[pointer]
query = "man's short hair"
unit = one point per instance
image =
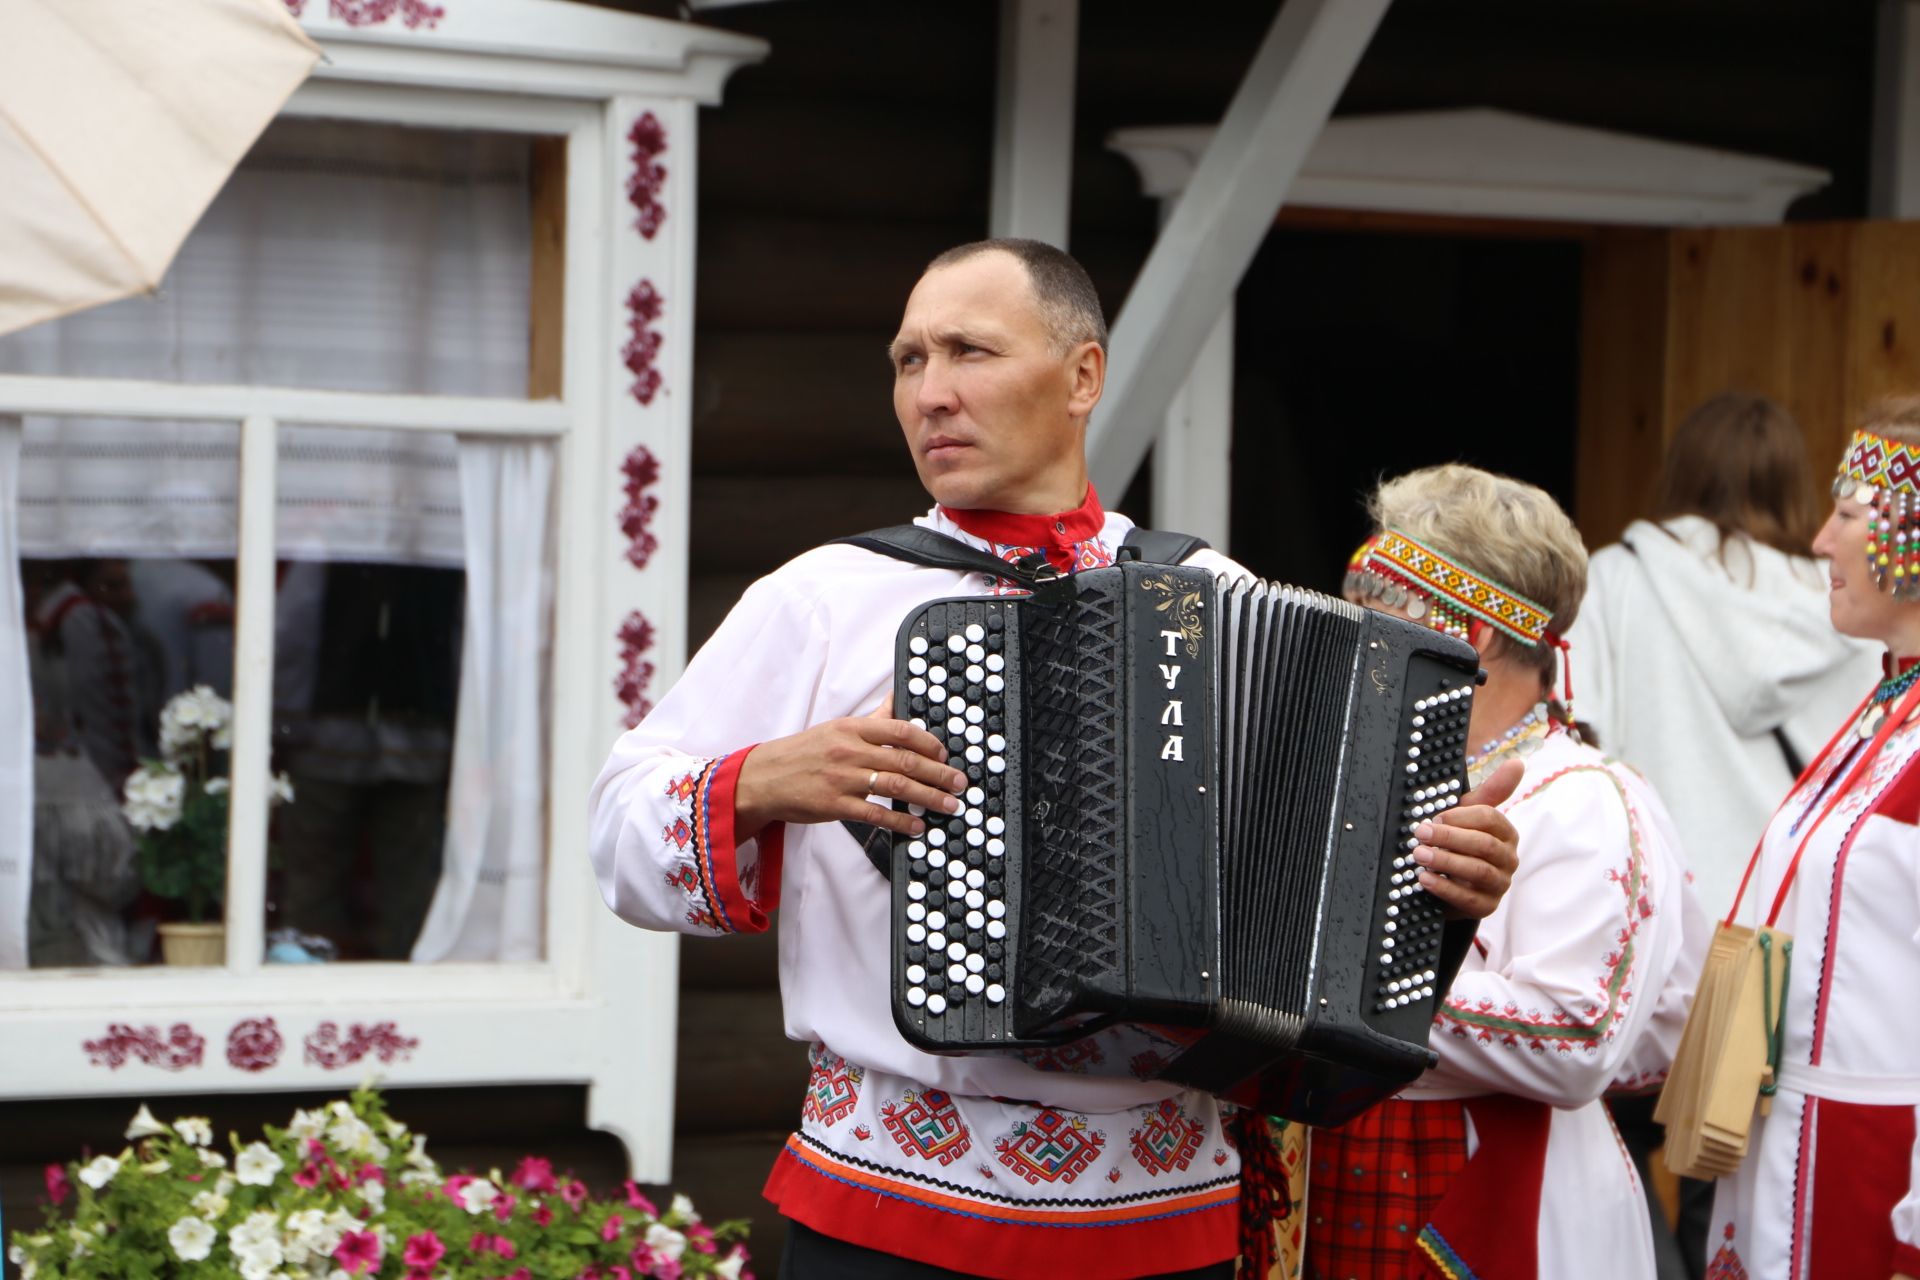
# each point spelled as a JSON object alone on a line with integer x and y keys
{"x": 1069, "y": 306}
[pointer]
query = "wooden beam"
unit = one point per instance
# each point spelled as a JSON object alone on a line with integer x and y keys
{"x": 1189, "y": 278}
{"x": 1465, "y": 226}
{"x": 547, "y": 298}
{"x": 1033, "y": 119}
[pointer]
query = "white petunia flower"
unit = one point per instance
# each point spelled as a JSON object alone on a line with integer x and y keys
{"x": 192, "y": 1239}
{"x": 307, "y": 1124}
{"x": 256, "y": 1244}
{"x": 282, "y": 788}
{"x": 99, "y": 1172}
{"x": 143, "y": 1125}
{"x": 256, "y": 1165}
{"x": 218, "y": 786}
{"x": 728, "y": 1268}
{"x": 666, "y": 1242}
{"x": 375, "y": 1194}
{"x": 209, "y": 1205}
{"x": 350, "y": 1134}
{"x": 194, "y": 1130}
{"x": 682, "y": 1208}
{"x": 477, "y": 1195}
{"x": 212, "y": 1159}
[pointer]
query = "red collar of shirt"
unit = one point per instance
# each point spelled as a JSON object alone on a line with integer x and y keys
{"x": 1057, "y": 534}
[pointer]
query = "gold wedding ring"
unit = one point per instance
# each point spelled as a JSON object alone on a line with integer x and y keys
{"x": 873, "y": 782}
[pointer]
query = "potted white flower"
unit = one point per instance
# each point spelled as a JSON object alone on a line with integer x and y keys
{"x": 178, "y": 804}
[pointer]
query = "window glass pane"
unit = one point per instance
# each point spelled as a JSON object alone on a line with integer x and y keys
{"x": 127, "y": 533}
{"x": 417, "y": 828}
{"x": 342, "y": 255}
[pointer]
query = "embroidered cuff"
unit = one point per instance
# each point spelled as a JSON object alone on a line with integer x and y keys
{"x": 741, "y": 904}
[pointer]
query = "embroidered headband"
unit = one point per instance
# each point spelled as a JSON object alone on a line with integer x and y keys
{"x": 1884, "y": 475}
{"x": 1446, "y": 595}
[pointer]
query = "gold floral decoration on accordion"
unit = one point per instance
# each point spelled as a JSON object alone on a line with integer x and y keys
{"x": 1182, "y": 605}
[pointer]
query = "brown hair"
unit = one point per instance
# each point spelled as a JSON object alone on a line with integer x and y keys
{"x": 1740, "y": 461}
{"x": 1068, "y": 303}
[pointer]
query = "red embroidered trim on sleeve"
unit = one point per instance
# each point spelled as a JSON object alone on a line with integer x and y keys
{"x": 741, "y": 908}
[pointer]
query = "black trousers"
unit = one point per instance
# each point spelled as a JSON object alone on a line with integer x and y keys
{"x": 812, "y": 1256}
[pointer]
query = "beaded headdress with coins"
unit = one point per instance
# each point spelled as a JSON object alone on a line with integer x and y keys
{"x": 1447, "y": 596}
{"x": 1884, "y": 476}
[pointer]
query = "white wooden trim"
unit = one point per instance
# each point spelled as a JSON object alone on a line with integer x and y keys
{"x": 1484, "y": 163}
{"x": 1195, "y": 265}
{"x": 102, "y": 994}
{"x": 438, "y": 108}
{"x": 1033, "y": 120}
{"x": 1192, "y": 459}
{"x": 1894, "y": 185}
{"x": 131, "y": 398}
{"x": 252, "y": 698}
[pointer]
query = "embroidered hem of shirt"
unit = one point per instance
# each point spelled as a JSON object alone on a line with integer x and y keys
{"x": 942, "y": 1225}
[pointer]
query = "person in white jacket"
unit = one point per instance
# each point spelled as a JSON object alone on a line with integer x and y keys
{"x": 1703, "y": 653}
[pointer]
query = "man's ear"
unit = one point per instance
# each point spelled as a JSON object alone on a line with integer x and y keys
{"x": 1087, "y": 373}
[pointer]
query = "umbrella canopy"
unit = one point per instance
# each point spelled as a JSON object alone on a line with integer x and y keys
{"x": 119, "y": 122}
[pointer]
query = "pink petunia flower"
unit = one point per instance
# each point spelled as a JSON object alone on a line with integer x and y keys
{"x": 610, "y": 1230}
{"x": 308, "y": 1176}
{"x": 667, "y": 1269}
{"x": 59, "y": 1186}
{"x": 642, "y": 1259}
{"x": 456, "y": 1184}
{"x": 503, "y": 1206}
{"x": 534, "y": 1173}
{"x": 521, "y": 1274}
{"x": 638, "y": 1201}
{"x": 574, "y": 1193}
{"x": 618, "y": 1271}
{"x": 423, "y": 1251}
{"x": 358, "y": 1251}
{"x": 700, "y": 1236}
{"x": 542, "y": 1216}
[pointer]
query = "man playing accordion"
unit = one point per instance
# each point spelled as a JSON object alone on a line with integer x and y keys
{"x": 729, "y": 800}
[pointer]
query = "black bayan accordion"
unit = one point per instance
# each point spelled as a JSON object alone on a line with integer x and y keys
{"x": 1188, "y": 832}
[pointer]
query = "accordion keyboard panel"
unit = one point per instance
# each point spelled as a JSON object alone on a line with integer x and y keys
{"x": 953, "y": 966}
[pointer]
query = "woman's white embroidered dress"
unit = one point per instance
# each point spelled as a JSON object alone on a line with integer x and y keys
{"x": 1831, "y": 1185}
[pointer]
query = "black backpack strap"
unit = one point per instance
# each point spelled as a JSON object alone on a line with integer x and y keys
{"x": 916, "y": 545}
{"x": 1162, "y": 546}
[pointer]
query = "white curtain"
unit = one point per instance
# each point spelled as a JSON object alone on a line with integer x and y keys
{"x": 16, "y": 718}
{"x": 490, "y": 904}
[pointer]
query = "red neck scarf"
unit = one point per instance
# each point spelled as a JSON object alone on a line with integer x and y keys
{"x": 1057, "y": 535}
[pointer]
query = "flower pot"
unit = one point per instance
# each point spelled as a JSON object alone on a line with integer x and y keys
{"x": 193, "y": 944}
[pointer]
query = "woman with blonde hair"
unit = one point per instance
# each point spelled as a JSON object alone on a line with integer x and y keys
{"x": 1501, "y": 1160}
{"x": 1831, "y": 1182}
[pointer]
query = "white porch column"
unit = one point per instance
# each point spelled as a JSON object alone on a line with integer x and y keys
{"x": 1894, "y": 185}
{"x": 1033, "y": 120}
{"x": 1189, "y": 277}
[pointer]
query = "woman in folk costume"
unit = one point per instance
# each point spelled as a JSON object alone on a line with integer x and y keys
{"x": 1501, "y": 1161}
{"x": 1830, "y": 1186}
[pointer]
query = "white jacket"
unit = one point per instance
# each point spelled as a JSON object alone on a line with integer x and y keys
{"x": 1686, "y": 660}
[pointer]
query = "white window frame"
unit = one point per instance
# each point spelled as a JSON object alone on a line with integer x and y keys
{"x": 600, "y": 1008}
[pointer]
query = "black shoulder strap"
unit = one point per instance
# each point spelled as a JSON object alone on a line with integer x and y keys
{"x": 1162, "y": 546}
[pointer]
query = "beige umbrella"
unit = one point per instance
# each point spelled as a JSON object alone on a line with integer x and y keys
{"x": 119, "y": 122}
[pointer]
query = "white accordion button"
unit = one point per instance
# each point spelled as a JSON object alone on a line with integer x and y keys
{"x": 976, "y": 795}
{"x": 936, "y": 920}
{"x": 975, "y": 962}
{"x": 994, "y": 683}
{"x": 975, "y": 754}
{"x": 995, "y": 847}
{"x": 996, "y": 929}
{"x": 975, "y": 632}
{"x": 957, "y": 868}
{"x": 956, "y": 724}
{"x": 974, "y": 714}
{"x": 996, "y": 825}
{"x": 916, "y": 890}
{"x": 956, "y": 973}
{"x": 936, "y": 942}
{"x": 937, "y": 675}
{"x": 956, "y": 888}
{"x": 976, "y": 878}
{"x": 915, "y": 996}
{"x": 917, "y": 666}
{"x": 974, "y": 654}
{"x": 995, "y": 662}
{"x": 996, "y": 908}
{"x": 916, "y": 911}
{"x": 975, "y": 817}
{"x": 955, "y": 643}
{"x": 975, "y": 837}
{"x": 936, "y": 837}
{"x": 956, "y": 952}
{"x": 916, "y": 933}
{"x": 995, "y": 993}
{"x": 918, "y": 723}
{"x": 975, "y": 984}
{"x": 936, "y": 1004}
{"x": 974, "y": 674}
{"x": 974, "y": 733}
{"x": 918, "y": 644}
{"x": 975, "y": 919}
{"x": 916, "y": 974}
{"x": 996, "y": 742}
{"x": 917, "y": 850}
{"x": 995, "y": 764}
{"x": 916, "y": 686}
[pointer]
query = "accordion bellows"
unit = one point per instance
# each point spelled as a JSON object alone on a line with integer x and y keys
{"x": 1188, "y": 829}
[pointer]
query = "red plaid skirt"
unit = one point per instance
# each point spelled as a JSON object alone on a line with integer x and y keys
{"x": 1374, "y": 1182}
